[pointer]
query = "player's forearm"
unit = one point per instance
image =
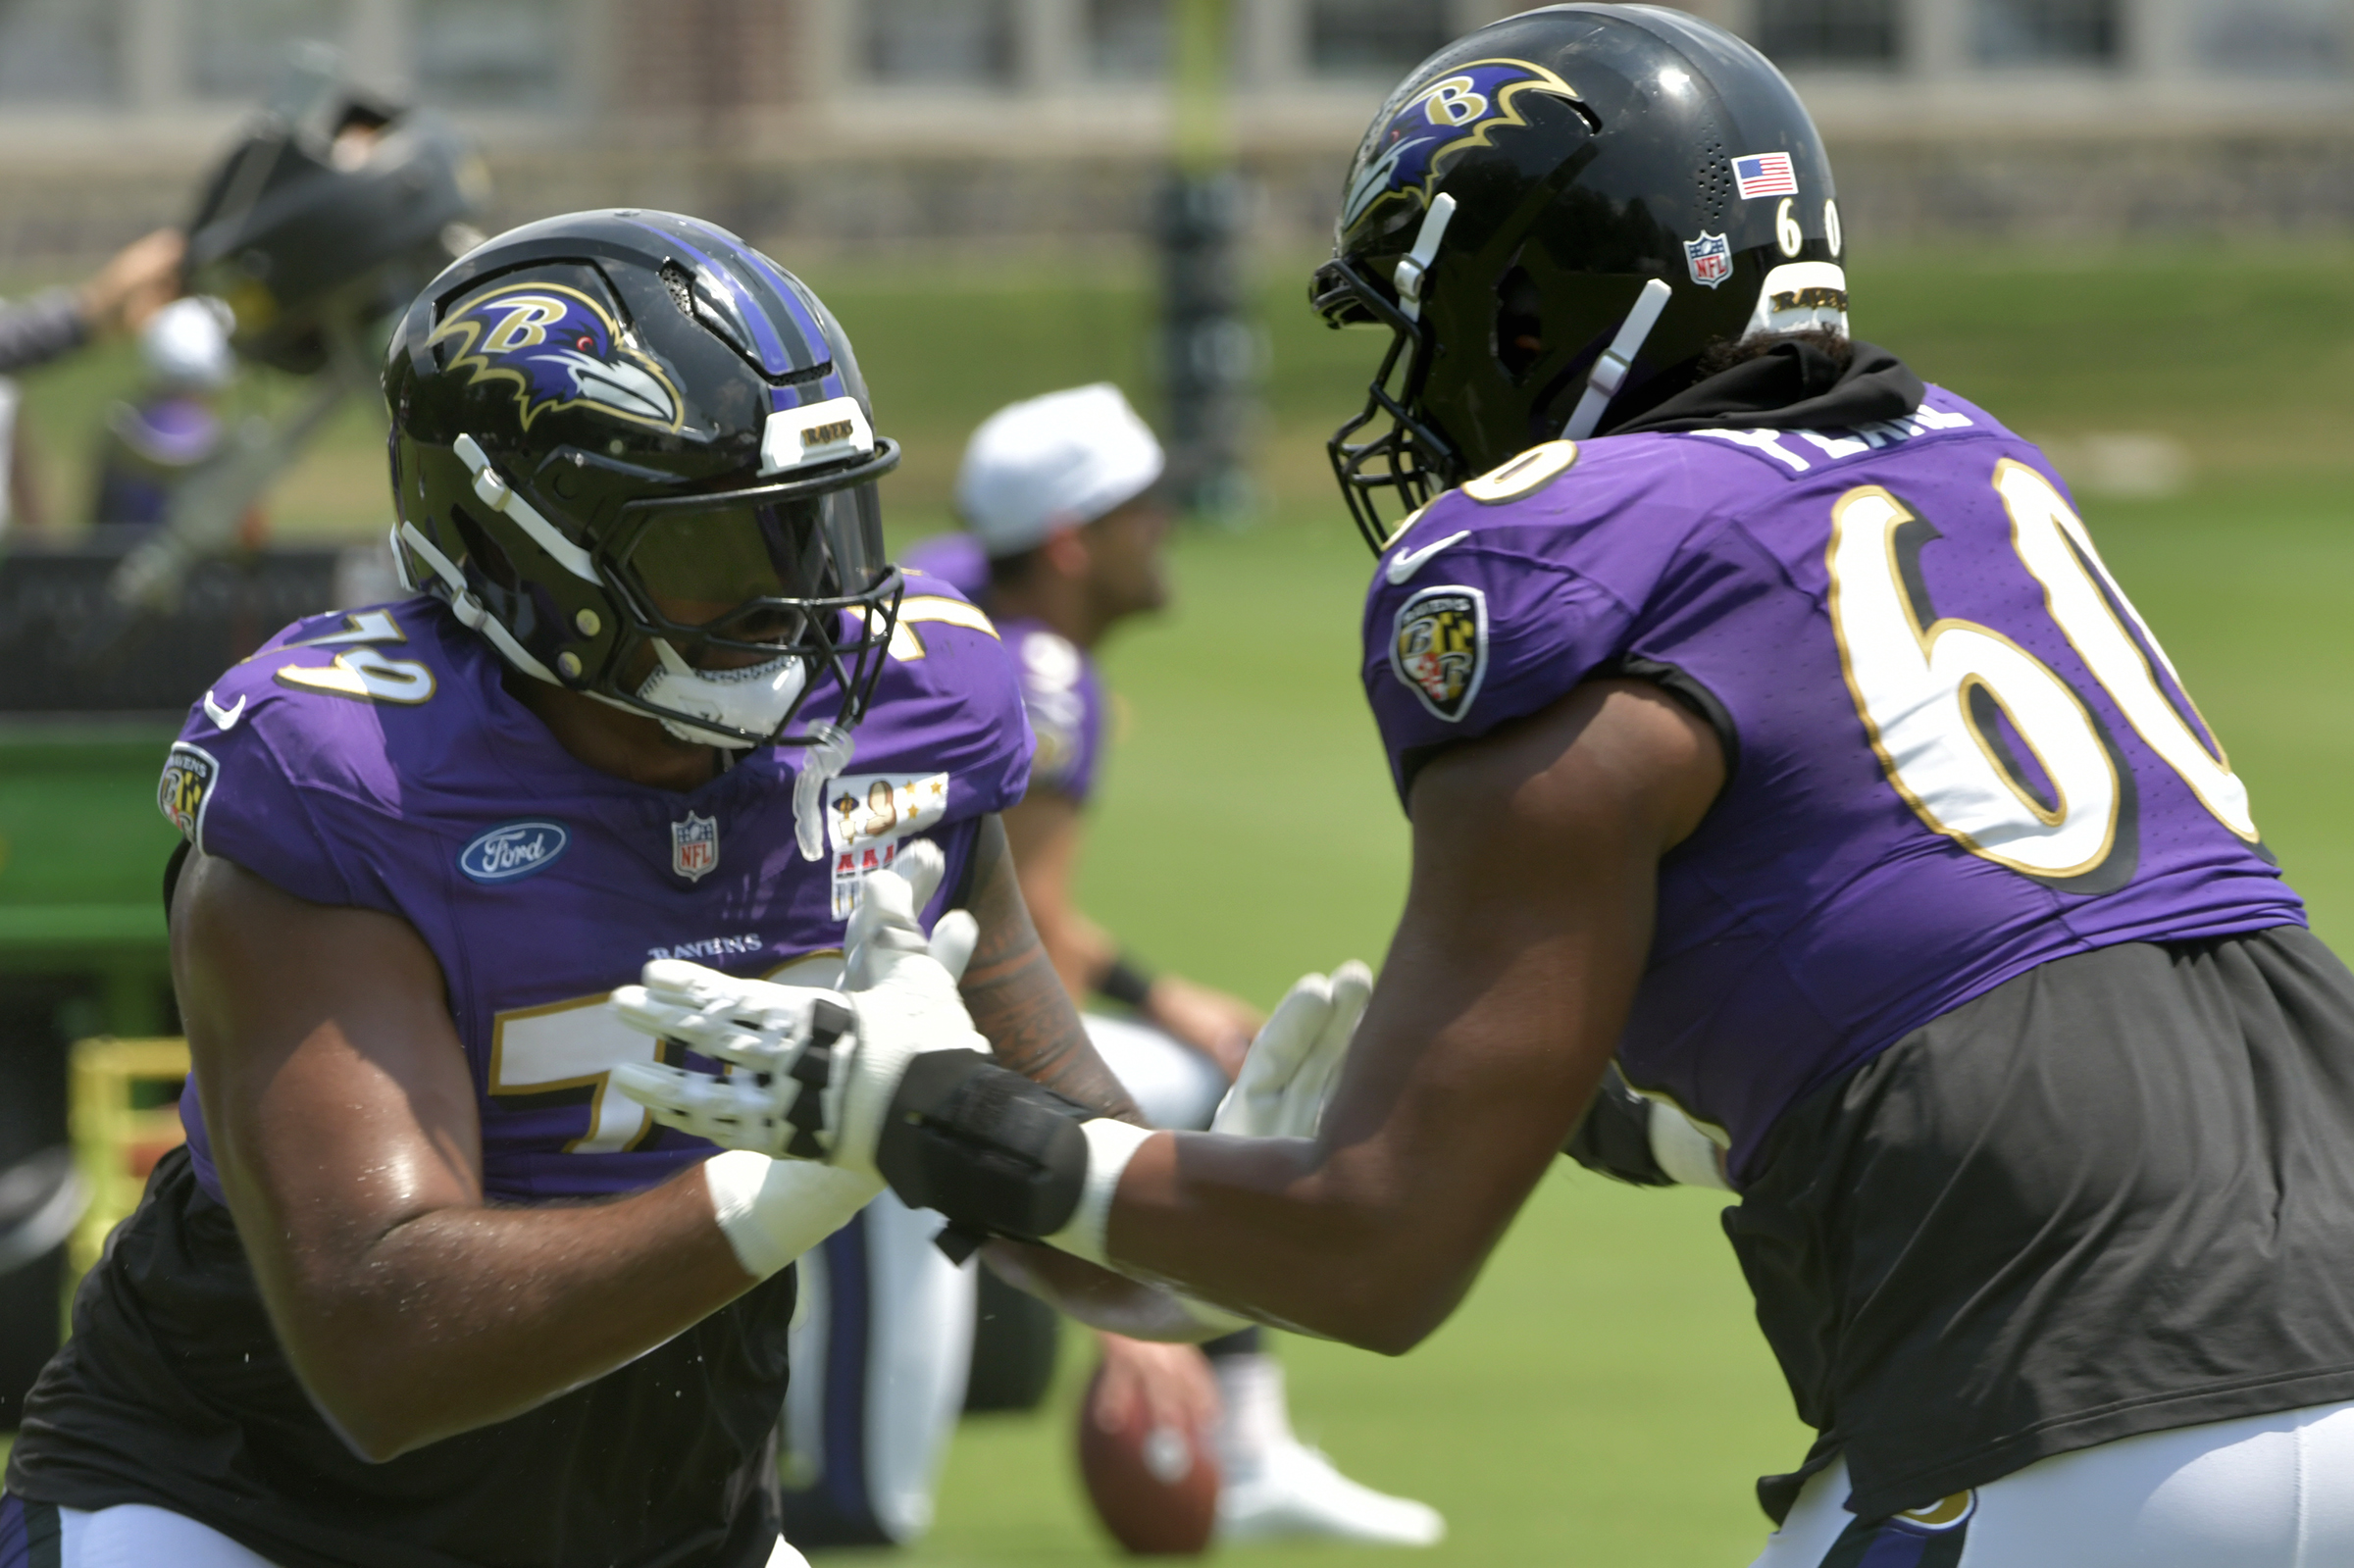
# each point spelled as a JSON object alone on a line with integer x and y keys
{"x": 1341, "y": 1243}
{"x": 1016, "y": 1000}
{"x": 463, "y": 1316}
{"x": 1526, "y": 927}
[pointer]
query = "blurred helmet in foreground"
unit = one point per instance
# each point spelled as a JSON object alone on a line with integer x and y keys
{"x": 327, "y": 218}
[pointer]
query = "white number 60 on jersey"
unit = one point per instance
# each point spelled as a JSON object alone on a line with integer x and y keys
{"x": 1928, "y": 694}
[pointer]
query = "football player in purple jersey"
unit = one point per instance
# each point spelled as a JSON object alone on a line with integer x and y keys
{"x": 421, "y": 1290}
{"x": 1769, "y": 724}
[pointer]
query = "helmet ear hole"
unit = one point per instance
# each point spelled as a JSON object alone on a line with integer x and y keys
{"x": 482, "y": 551}
{"x": 1519, "y": 323}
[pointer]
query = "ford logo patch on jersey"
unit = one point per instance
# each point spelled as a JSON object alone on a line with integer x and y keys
{"x": 518, "y": 849}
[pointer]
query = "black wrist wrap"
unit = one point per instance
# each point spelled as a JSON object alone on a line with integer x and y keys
{"x": 997, "y": 1153}
{"x": 1127, "y": 983}
{"x": 1614, "y": 1137}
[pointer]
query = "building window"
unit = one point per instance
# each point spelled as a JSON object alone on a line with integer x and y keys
{"x": 57, "y": 50}
{"x": 1128, "y": 40}
{"x": 2048, "y": 33}
{"x": 496, "y": 53}
{"x": 969, "y": 43}
{"x": 2279, "y": 39}
{"x": 236, "y": 47}
{"x": 1382, "y": 39}
{"x": 1828, "y": 32}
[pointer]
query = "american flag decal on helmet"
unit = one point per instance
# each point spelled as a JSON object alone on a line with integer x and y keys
{"x": 1765, "y": 173}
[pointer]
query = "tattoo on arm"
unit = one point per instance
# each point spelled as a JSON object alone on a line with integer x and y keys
{"x": 1015, "y": 998}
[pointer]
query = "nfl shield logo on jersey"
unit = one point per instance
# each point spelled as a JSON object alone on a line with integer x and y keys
{"x": 1440, "y": 648}
{"x": 694, "y": 846}
{"x": 1711, "y": 258}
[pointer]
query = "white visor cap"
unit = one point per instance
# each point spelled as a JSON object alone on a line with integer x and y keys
{"x": 1054, "y": 462}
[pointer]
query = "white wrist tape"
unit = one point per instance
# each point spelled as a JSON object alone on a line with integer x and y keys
{"x": 1110, "y": 1145}
{"x": 772, "y": 1211}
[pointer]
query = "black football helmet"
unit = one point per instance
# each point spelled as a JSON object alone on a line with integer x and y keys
{"x": 1554, "y": 217}
{"x": 637, "y": 455}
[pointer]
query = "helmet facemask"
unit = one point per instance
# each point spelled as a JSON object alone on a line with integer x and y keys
{"x": 821, "y": 602}
{"x": 1409, "y": 458}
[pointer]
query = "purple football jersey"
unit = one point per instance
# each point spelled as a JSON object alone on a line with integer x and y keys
{"x": 374, "y": 760}
{"x": 1061, "y": 689}
{"x": 955, "y": 558}
{"x": 1954, "y": 749}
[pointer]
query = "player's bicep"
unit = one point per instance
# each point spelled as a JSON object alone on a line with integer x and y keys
{"x": 1046, "y": 831}
{"x": 1526, "y": 931}
{"x": 335, "y": 1091}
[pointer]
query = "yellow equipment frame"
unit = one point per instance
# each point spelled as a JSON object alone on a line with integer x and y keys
{"x": 116, "y": 1140}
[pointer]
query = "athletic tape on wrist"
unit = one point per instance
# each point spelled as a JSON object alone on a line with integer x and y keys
{"x": 772, "y": 1211}
{"x": 1110, "y": 1145}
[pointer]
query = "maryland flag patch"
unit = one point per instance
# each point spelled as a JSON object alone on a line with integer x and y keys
{"x": 1440, "y": 648}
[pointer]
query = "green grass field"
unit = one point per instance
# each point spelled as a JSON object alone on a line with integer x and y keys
{"x": 1603, "y": 1398}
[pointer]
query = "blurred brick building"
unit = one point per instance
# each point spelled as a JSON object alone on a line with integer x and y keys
{"x": 978, "y": 121}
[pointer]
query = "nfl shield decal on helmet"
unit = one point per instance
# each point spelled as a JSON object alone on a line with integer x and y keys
{"x": 694, "y": 846}
{"x": 1711, "y": 258}
{"x": 1440, "y": 648}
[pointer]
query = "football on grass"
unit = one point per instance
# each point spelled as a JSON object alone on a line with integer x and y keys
{"x": 1156, "y": 1488}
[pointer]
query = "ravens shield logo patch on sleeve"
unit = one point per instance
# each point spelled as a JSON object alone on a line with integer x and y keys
{"x": 186, "y": 789}
{"x": 1440, "y": 648}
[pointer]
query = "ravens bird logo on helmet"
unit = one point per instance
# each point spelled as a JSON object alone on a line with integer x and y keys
{"x": 560, "y": 350}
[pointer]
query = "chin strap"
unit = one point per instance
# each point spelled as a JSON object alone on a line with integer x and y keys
{"x": 471, "y": 611}
{"x": 822, "y": 762}
{"x": 492, "y": 489}
{"x": 1610, "y": 371}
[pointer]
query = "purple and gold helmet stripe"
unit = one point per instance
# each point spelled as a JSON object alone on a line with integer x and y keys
{"x": 761, "y": 310}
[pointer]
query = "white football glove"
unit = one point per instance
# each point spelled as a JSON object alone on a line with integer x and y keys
{"x": 1289, "y": 1074}
{"x": 812, "y": 1070}
{"x": 1683, "y": 1150}
{"x": 1295, "y": 1060}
